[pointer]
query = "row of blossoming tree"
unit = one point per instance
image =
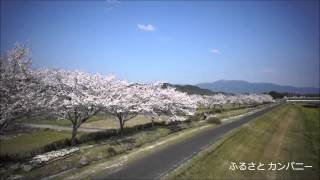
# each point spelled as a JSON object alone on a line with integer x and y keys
{"x": 77, "y": 95}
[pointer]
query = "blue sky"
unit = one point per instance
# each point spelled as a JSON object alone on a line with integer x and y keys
{"x": 184, "y": 42}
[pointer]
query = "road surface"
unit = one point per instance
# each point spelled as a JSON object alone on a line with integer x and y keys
{"x": 158, "y": 164}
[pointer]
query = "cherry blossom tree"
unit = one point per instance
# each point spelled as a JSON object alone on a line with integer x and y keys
{"x": 126, "y": 100}
{"x": 122, "y": 101}
{"x": 214, "y": 101}
{"x": 181, "y": 105}
{"x": 166, "y": 99}
{"x": 20, "y": 89}
{"x": 249, "y": 99}
{"x": 259, "y": 98}
{"x": 73, "y": 95}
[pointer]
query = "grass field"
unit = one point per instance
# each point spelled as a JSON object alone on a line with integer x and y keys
{"x": 101, "y": 121}
{"x": 289, "y": 133}
{"x": 26, "y": 142}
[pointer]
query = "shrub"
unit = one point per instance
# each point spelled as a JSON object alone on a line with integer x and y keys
{"x": 213, "y": 111}
{"x": 214, "y": 120}
{"x": 56, "y": 145}
{"x": 96, "y": 136}
{"x": 201, "y": 116}
{"x": 193, "y": 118}
{"x": 112, "y": 151}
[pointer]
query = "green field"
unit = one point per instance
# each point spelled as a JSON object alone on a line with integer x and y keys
{"x": 101, "y": 121}
{"x": 26, "y": 142}
{"x": 289, "y": 133}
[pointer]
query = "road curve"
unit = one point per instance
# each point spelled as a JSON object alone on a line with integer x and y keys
{"x": 157, "y": 164}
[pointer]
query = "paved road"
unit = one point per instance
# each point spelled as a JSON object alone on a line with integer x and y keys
{"x": 157, "y": 164}
{"x": 63, "y": 128}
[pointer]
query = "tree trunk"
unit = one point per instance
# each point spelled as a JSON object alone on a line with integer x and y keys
{"x": 74, "y": 134}
{"x": 152, "y": 121}
{"x": 2, "y": 126}
{"x": 121, "y": 123}
{"x": 121, "y": 128}
{"x": 5, "y": 124}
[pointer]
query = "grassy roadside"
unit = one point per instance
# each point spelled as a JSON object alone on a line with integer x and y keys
{"x": 288, "y": 133}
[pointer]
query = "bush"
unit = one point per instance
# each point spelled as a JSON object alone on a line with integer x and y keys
{"x": 96, "y": 136}
{"x": 112, "y": 151}
{"x": 200, "y": 116}
{"x": 193, "y": 118}
{"x": 57, "y": 145}
{"x": 214, "y": 120}
{"x": 214, "y": 111}
{"x": 9, "y": 157}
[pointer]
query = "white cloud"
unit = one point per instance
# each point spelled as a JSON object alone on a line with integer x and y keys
{"x": 216, "y": 51}
{"x": 147, "y": 27}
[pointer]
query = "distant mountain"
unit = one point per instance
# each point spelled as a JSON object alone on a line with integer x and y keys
{"x": 190, "y": 89}
{"x": 237, "y": 86}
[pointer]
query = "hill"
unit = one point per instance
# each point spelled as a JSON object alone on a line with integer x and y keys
{"x": 237, "y": 86}
{"x": 190, "y": 89}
